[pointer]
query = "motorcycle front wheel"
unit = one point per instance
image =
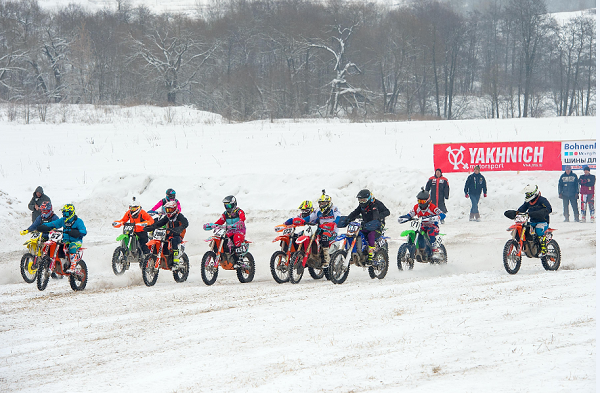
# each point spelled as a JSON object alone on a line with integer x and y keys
{"x": 338, "y": 273}
{"x": 208, "y": 270}
{"x": 405, "y": 259}
{"x": 119, "y": 260}
{"x": 43, "y": 273}
{"x": 181, "y": 274}
{"x": 296, "y": 268}
{"x": 28, "y": 268}
{"x": 149, "y": 273}
{"x": 279, "y": 267}
{"x": 245, "y": 273}
{"x": 512, "y": 261}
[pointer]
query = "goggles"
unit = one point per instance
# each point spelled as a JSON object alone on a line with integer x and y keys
{"x": 170, "y": 210}
{"x": 363, "y": 200}
{"x": 134, "y": 208}
{"x": 422, "y": 201}
{"x": 229, "y": 206}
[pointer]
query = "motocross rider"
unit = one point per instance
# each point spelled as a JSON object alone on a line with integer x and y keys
{"x": 426, "y": 209}
{"x": 46, "y": 215}
{"x": 539, "y": 210}
{"x": 234, "y": 219}
{"x": 176, "y": 225}
{"x": 306, "y": 211}
{"x": 73, "y": 232}
{"x": 373, "y": 213}
{"x": 137, "y": 215}
{"x": 170, "y": 196}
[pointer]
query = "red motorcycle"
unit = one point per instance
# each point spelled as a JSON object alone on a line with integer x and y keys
{"x": 238, "y": 259}
{"x": 310, "y": 253}
{"x": 524, "y": 240}
{"x": 56, "y": 259}
{"x": 280, "y": 259}
{"x": 161, "y": 257}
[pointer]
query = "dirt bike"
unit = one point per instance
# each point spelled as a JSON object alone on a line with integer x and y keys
{"x": 280, "y": 259}
{"x": 412, "y": 250}
{"x": 29, "y": 260}
{"x": 309, "y": 254}
{"x": 130, "y": 249}
{"x": 56, "y": 259}
{"x": 353, "y": 250}
{"x": 161, "y": 257}
{"x": 238, "y": 259}
{"x": 524, "y": 240}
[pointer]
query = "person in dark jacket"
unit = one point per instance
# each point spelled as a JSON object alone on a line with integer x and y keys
{"x": 539, "y": 210}
{"x": 176, "y": 225}
{"x": 36, "y": 201}
{"x": 46, "y": 215}
{"x": 474, "y": 185}
{"x": 587, "y": 184}
{"x": 439, "y": 189}
{"x": 373, "y": 213}
{"x": 568, "y": 191}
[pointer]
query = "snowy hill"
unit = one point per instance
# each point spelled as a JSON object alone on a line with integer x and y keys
{"x": 467, "y": 326}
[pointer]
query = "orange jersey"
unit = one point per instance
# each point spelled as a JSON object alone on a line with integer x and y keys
{"x": 143, "y": 217}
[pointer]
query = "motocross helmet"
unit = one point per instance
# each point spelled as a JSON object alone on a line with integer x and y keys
{"x": 46, "y": 210}
{"x": 170, "y": 194}
{"x": 531, "y": 192}
{"x": 325, "y": 202}
{"x": 68, "y": 212}
{"x": 423, "y": 199}
{"x": 171, "y": 210}
{"x": 135, "y": 208}
{"x": 307, "y": 208}
{"x": 230, "y": 203}
{"x": 364, "y": 197}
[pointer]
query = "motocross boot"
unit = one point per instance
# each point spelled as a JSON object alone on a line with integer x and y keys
{"x": 326, "y": 257}
{"x": 73, "y": 264}
{"x": 543, "y": 246}
{"x": 176, "y": 256}
{"x": 583, "y": 218}
{"x": 371, "y": 253}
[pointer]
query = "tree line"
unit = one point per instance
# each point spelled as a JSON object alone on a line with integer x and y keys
{"x": 295, "y": 58}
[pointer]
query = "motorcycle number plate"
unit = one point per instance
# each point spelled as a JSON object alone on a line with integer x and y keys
{"x": 353, "y": 227}
{"x": 159, "y": 234}
{"x": 220, "y": 232}
{"x": 56, "y": 237}
{"x": 128, "y": 228}
{"x": 381, "y": 242}
{"x": 288, "y": 231}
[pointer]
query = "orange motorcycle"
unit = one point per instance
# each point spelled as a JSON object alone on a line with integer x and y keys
{"x": 280, "y": 259}
{"x": 238, "y": 259}
{"x": 161, "y": 257}
{"x": 525, "y": 241}
{"x": 56, "y": 259}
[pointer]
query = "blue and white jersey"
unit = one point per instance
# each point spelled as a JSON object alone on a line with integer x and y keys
{"x": 333, "y": 215}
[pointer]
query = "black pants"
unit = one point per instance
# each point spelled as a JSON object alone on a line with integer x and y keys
{"x": 143, "y": 239}
{"x": 175, "y": 242}
{"x": 572, "y": 199}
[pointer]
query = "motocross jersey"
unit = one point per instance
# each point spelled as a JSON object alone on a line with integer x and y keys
{"x": 432, "y": 210}
{"x": 233, "y": 220}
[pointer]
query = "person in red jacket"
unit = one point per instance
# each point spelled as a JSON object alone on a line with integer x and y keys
{"x": 138, "y": 216}
{"x": 587, "y": 184}
{"x": 234, "y": 218}
{"x": 439, "y": 189}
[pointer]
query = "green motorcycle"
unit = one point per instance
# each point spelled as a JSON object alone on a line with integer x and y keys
{"x": 418, "y": 246}
{"x": 129, "y": 250}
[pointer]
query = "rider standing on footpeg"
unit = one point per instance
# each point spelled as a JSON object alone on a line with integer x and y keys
{"x": 176, "y": 224}
{"x": 539, "y": 210}
{"x": 373, "y": 213}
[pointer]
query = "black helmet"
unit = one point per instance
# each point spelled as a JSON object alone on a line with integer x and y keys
{"x": 423, "y": 199}
{"x": 170, "y": 194}
{"x": 230, "y": 203}
{"x": 364, "y": 197}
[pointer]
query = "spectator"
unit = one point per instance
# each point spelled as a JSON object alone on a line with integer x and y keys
{"x": 587, "y": 184}
{"x": 439, "y": 189}
{"x": 474, "y": 185}
{"x": 34, "y": 205}
{"x": 568, "y": 191}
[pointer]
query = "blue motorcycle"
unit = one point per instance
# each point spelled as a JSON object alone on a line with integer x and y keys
{"x": 354, "y": 250}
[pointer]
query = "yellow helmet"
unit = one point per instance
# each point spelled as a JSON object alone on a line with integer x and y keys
{"x": 325, "y": 202}
{"x": 307, "y": 208}
{"x": 68, "y": 212}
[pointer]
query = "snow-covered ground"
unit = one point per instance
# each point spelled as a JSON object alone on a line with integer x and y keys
{"x": 464, "y": 327}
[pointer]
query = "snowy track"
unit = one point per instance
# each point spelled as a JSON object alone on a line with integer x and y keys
{"x": 464, "y": 327}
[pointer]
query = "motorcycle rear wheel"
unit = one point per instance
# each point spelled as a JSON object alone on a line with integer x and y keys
{"x": 440, "y": 256}
{"x": 380, "y": 265}
{"x": 79, "y": 280}
{"x": 552, "y": 259}
{"x": 512, "y": 262}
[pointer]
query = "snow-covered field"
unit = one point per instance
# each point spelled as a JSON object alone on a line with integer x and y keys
{"x": 464, "y": 327}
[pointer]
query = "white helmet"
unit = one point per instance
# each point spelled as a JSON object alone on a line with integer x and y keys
{"x": 171, "y": 210}
{"x": 531, "y": 192}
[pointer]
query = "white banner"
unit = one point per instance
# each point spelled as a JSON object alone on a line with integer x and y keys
{"x": 578, "y": 154}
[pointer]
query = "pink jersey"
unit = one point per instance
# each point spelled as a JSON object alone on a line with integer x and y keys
{"x": 161, "y": 203}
